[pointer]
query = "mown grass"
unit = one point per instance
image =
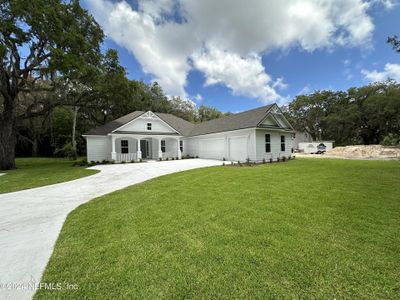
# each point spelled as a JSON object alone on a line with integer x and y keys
{"x": 39, "y": 171}
{"x": 319, "y": 229}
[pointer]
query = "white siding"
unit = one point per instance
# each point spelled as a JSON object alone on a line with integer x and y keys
{"x": 98, "y": 148}
{"x": 140, "y": 125}
{"x": 275, "y": 145}
{"x": 132, "y": 144}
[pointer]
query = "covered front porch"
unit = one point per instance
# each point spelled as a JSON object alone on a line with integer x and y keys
{"x": 130, "y": 147}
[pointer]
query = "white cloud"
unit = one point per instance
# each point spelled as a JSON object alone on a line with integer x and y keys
{"x": 244, "y": 76}
{"x": 198, "y": 98}
{"x": 226, "y": 39}
{"x": 391, "y": 71}
{"x": 388, "y": 4}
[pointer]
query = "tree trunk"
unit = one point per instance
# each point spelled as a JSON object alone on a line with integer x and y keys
{"x": 35, "y": 147}
{"x": 7, "y": 144}
{"x": 76, "y": 108}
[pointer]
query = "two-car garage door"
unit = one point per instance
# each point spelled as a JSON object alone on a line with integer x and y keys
{"x": 212, "y": 148}
{"x": 215, "y": 148}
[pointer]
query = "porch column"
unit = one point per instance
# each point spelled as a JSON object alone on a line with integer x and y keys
{"x": 159, "y": 149}
{"x": 139, "y": 153}
{"x": 179, "y": 148}
{"x": 113, "y": 153}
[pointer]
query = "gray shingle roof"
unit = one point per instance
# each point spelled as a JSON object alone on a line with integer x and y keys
{"x": 111, "y": 126}
{"x": 182, "y": 126}
{"x": 246, "y": 119}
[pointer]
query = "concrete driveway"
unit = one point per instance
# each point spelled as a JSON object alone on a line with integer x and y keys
{"x": 31, "y": 220}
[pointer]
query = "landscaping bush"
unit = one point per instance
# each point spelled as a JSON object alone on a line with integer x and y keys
{"x": 391, "y": 140}
{"x": 81, "y": 163}
{"x": 66, "y": 151}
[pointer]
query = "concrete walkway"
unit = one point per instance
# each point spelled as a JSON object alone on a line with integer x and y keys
{"x": 31, "y": 220}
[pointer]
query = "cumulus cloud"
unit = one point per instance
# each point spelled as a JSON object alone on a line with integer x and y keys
{"x": 391, "y": 71}
{"x": 226, "y": 39}
{"x": 244, "y": 76}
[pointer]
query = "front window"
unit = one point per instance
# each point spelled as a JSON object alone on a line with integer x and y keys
{"x": 124, "y": 146}
{"x": 181, "y": 145}
{"x": 148, "y": 126}
{"x": 268, "y": 143}
{"x": 163, "y": 146}
{"x": 283, "y": 143}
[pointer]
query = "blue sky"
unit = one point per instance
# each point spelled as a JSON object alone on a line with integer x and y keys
{"x": 245, "y": 58}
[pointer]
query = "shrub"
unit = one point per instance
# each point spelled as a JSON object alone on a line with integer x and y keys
{"x": 167, "y": 158}
{"x": 132, "y": 161}
{"x": 81, "y": 163}
{"x": 105, "y": 162}
{"x": 66, "y": 151}
{"x": 284, "y": 158}
{"x": 263, "y": 161}
{"x": 247, "y": 160}
{"x": 160, "y": 158}
{"x": 223, "y": 164}
{"x": 223, "y": 159}
{"x": 270, "y": 160}
{"x": 122, "y": 162}
{"x": 391, "y": 140}
{"x": 197, "y": 156}
{"x": 177, "y": 158}
{"x": 278, "y": 159}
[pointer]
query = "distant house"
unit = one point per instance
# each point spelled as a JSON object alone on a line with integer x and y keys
{"x": 257, "y": 134}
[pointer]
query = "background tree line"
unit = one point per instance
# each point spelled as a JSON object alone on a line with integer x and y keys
{"x": 56, "y": 83}
{"x": 364, "y": 115}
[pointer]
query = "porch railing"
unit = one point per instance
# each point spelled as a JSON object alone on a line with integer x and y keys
{"x": 126, "y": 157}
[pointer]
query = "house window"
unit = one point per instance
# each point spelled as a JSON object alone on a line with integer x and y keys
{"x": 181, "y": 145}
{"x": 148, "y": 126}
{"x": 163, "y": 146}
{"x": 282, "y": 143}
{"x": 124, "y": 146}
{"x": 267, "y": 143}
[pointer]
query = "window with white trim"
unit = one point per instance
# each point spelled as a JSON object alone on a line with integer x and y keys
{"x": 148, "y": 126}
{"x": 163, "y": 146}
{"x": 181, "y": 145}
{"x": 124, "y": 146}
{"x": 268, "y": 143}
{"x": 283, "y": 147}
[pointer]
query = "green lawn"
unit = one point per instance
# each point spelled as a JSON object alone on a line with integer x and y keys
{"x": 319, "y": 229}
{"x": 35, "y": 172}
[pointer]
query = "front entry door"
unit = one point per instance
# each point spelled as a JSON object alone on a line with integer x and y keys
{"x": 144, "y": 147}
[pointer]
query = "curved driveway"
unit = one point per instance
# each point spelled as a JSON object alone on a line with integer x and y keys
{"x": 31, "y": 220}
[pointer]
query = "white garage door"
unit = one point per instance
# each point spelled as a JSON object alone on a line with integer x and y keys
{"x": 238, "y": 148}
{"x": 212, "y": 148}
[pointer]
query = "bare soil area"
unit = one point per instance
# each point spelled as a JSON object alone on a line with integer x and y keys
{"x": 367, "y": 152}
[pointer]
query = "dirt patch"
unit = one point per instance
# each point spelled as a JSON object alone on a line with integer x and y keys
{"x": 365, "y": 152}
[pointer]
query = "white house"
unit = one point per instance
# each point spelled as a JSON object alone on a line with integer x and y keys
{"x": 257, "y": 134}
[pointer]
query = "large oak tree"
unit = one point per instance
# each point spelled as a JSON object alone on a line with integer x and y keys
{"x": 40, "y": 40}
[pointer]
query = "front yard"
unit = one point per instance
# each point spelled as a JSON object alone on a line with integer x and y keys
{"x": 39, "y": 171}
{"x": 320, "y": 229}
